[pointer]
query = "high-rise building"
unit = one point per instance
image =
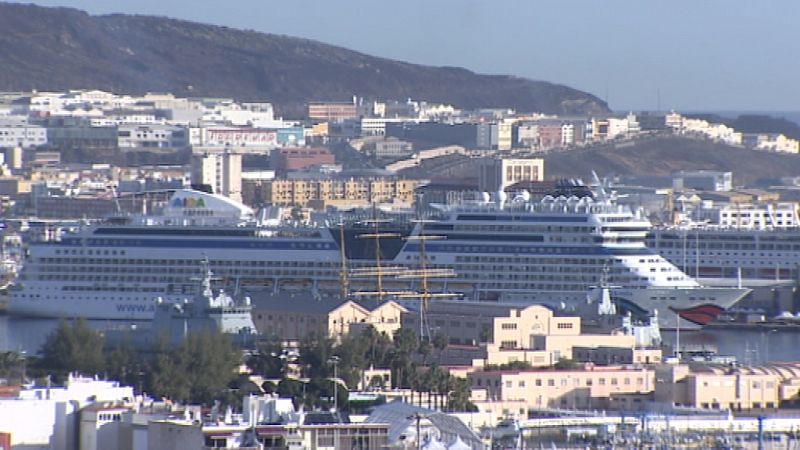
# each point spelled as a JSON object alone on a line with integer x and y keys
{"x": 222, "y": 171}
{"x": 495, "y": 173}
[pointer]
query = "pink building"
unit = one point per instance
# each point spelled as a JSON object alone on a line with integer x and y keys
{"x": 297, "y": 158}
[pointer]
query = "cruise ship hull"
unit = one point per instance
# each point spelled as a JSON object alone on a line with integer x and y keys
{"x": 70, "y": 306}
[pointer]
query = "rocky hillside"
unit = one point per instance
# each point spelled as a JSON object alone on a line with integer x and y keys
{"x": 665, "y": 155}
{"x": 60, "y": 48}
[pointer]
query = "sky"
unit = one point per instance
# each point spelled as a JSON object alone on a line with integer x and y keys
{"x": 687, "y": 55}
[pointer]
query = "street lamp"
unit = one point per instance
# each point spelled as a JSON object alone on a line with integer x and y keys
{"x": 335, "y": 361}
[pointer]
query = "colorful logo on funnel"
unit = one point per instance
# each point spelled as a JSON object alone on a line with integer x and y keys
{"x": 188, "y": 202}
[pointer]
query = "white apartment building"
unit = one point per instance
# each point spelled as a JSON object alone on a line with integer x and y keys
{"x": 505, "y": 134}
{"x": 618, "y": 127}
{"x": 567, "y": 133}
{"x": 45, "y": 417}
{"x": 777, "y": 143}
{"x": 673, "y": 120}
{"x": 220, "y": 170}
{"x": 151, "y": 136}
{"x": 497, "y": 174}
{"x": 376, "y": 126}
{"x": 18, "y": 133}
{"x": 750, "y": 216}
{"x": 528, "y": 134}
{"x": 133, "y": 118}
{"x": 256, "y": 115}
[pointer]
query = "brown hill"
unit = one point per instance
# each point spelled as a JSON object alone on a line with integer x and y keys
{"x": 665, "y": 155}
{"x": 61, "y": 48}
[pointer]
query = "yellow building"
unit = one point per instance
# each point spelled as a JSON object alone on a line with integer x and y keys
{"x": 716, "y": 386}
{"x": 292, "y": 317}
{"x": 484, "y": 333}
{"x": 330, "y": 192}
{"x": 586, "y": 388}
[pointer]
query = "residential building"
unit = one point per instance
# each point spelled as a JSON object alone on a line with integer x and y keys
{"x": 505, "y": 133}
{"x": 320, "y": 193}
{"x": 527, "y": 135}
{"x": 82, "y": 137}
{"x": 549, "y": 134}
{"x": 21, "y": 134}
{"x": 715, "y": 386}
{"x": 376, "y": 126}
{"x": 151, "y": 137}
{"x": 590, "y": 387}
{"x": 488, "y": 333}
{"x": 291, "y": 317}
{"x": 222, "y": 171}
{"x": 48, "y": 417}
{"x": 495, "y": 173}
{"x": 332, "y": 111}
{"x": 748, "y": 215}
{"x": 392, "y": 148}
{"x": 704, "y": 180}
{"x": 297, "y": 158}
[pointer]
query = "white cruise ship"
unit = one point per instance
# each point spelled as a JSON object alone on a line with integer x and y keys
{"x": 517, "y": 250}
{"x": 734, "y": 241}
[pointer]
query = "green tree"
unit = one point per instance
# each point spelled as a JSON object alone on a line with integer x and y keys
{"x": 73, "y": 347}
{"x": 166, "y": 372}
{"x": 459, "y": 396}
{"x": 266, "y": 360}
{"x": 294, "y": 389}
{"x": 440, "y": 342}
{"x": 209, "y": 361}
{"x": 125, "y": 364}
{"x": 11, "y": 366}
{"x": 403, "y": 367}
{"x": 315, "y": 351}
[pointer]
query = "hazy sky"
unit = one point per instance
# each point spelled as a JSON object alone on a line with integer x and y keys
{"x": 699, "y": 54}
